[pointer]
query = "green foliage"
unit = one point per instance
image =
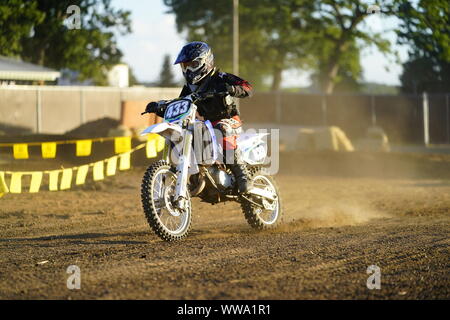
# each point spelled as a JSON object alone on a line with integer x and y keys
{"x": 426, "y": 28}
{"x": 270, "y": 41}
{"x": 424, "y": 75}
{"x": 91, "y": 50}
{"x": 339, "y": 41}
{"x": 166, "y": 78}
{"x": 17, "y": 18}
{"x": 322, "y": 36}
{"x": 132, "y": 80}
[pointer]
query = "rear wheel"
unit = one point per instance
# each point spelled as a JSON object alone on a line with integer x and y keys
{"x": 163, "y": 214}
{"x": 262, "y": 213}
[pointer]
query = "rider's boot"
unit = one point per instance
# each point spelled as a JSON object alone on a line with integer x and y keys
{"x": 241, "y": 173}
{"x": 242, "y": 176}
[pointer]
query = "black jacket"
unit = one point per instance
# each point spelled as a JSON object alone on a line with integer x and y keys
{"x": 214, "y": 109}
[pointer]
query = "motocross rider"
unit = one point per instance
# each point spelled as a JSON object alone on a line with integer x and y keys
{"x": 197, "y": 64}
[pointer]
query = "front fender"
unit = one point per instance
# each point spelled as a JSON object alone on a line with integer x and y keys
{"x": 165, "y": 129}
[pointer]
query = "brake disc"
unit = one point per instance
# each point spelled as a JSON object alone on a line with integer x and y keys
{"x": 269, "y": 205}
{"x": 175, "y": 212}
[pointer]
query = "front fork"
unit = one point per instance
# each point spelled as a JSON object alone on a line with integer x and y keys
{"x": 183, "y": 170}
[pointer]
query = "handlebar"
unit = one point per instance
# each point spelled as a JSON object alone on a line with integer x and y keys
{"x": 200, "y": 96}
{"x": 207, "y": 95}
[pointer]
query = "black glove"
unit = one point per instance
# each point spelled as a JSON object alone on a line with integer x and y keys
{"x": 226, "y": 88}
{"x": 230, "y": 89}
{"x": 152, "y": 107}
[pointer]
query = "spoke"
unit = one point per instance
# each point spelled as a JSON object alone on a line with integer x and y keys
{"x": 174, "y": 224}
{"x": 158, "y": 204}
{"x": 267, "y": 215}
{"x": 166, "y": 223}
{"x": 166, "y": 179}
{"x": 260, "y": 184}
{"x": 158, "y": 187}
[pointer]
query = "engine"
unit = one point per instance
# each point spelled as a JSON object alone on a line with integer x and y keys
{"x": 221, "y": 178}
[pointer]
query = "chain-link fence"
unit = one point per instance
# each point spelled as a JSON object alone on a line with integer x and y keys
{"x": 58, "y": 109}
{"x": 401, "y": 116}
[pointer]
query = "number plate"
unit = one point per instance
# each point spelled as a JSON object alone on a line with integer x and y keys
{"x": 176, "y": 110}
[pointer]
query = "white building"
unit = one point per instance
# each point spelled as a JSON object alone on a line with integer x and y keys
{"x": 118, "y": 76}
{"x": 14, "y": 70}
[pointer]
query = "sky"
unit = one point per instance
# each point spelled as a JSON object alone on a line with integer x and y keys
{"x": 154, "y": 35}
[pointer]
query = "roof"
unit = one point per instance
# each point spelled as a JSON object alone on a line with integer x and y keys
{"x": 13, "y": 69}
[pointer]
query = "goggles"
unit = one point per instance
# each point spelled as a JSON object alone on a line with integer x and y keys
{"x": 190, "y": 65}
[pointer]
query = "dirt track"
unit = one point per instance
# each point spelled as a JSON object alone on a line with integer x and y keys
{"x": 338, "y": 221}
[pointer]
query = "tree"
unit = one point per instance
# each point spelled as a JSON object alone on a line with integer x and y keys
{"x": 270, "y": 41}
{"x": 422, "y": 74}
{"x": 132, "y": 80}
{"x": 284, "y": 34}
{"x": 349, "y": 70}
{"x": 91, "y": 50}
{"x": 276, "y": 36}
{"x": 17, "y": 18}
{"x": 166, "y": 78}
{"x": 425, "y": 27}
{"x": 340, "y": 40}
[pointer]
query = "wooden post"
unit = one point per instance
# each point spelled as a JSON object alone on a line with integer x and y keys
{"x": 236, "y": 37}
{"x": 38, "y": 111}
{"x": 426, "y": 129}
{"x": 324, "y": 110}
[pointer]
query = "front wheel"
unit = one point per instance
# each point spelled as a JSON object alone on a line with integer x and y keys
{"x": 164, "y": 215}
{"x": 262, "y": 213}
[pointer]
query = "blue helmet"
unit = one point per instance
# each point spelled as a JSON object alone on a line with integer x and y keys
{"x": 196, "y": 60}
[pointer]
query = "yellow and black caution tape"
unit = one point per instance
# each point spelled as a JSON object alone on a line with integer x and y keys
{"x": 83, "y": 146}
{"x": 62, "y": 179}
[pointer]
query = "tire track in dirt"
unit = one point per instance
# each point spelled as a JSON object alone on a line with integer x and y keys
{"x": 320, "y": 252}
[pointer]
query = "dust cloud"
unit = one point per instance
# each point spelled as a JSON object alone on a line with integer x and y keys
{"x": 331, "y": 215}
{"x": 338, "y": 189}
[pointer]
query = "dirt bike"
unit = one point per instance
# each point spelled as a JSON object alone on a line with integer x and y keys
{"x": 169, "y": 184}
